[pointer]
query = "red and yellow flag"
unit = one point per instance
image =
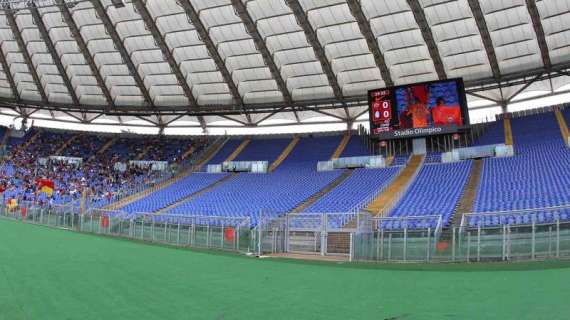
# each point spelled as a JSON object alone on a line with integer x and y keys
{"x": 46, "y": 186}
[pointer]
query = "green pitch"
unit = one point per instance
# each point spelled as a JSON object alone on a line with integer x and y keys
{"x": 54, "y": 274}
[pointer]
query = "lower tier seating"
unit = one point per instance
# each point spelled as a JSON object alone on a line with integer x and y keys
{"x": 435, "y": 191}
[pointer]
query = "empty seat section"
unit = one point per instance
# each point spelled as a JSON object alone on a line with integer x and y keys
{"x": 354, "y": 191}
{"x": 355, "y": 148}
{"x": 263, "y": 150}
{"x": 173, "y": 193}
{"x": 401, "y": 160}
{"x": 433, "y": 157}
{"x": 226, "y": 150}
{"x": 537, "y": 176}
{"x": 494, "y": 134}
{"x": 248, "y": 195}
{"x": 435, "y": 191}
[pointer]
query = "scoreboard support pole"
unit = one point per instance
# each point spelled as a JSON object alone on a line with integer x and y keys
{"x": 419, "y": 146}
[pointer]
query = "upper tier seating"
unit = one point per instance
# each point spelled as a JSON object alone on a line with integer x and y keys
{"x": 171, "y": 149}
{"x": 355, "y": 148}
{"x": 537, "y": 176}
{"x": 435, "y": 191}
{"x": 494, "y": 134}
{"x": 227, "y": 149}
{"x": 263, "y": 150}
{"x": 85, "y": 146}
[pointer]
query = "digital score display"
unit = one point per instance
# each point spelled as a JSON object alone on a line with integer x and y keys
{"x": 421, "y": 109}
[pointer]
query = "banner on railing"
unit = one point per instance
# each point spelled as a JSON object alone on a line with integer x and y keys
{"x": 154, "y": 165}
{"x": 486, "y": 151}
{"x": 245, "y": 166}
{"x": 352, "y": 162}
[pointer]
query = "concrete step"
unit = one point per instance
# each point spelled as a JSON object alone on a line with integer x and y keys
{"x": 284, "y": 154}
{"x": 467, "y": 200}
{"x": 387, "y": 198}
{"x": 238, "y": 150}
{"x": 341, "y": 146}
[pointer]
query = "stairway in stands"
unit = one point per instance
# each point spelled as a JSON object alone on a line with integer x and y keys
{"x": 563, "y": 125}
{"x": 508, "y": 131}
{"x": 208, "y": 154}
{"x": 284, "y": 154}
{"x": 342, "y": 145}
{"x": 467, "y": 201}
{"x": 238, "y": 150}
{"x": 188, "y": 152}
{"x": 388, "y": 198}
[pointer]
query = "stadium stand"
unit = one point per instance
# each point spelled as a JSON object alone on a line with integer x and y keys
{"x": 435, "y": 191}
{"x": 562, "y": 124}
{"x": 494, "y": 134}
{"x": 263, "y": 150}
{"x": 389, "y": 196}
{"x": 355, "y": 148}
{"x": 249, "y": 195}
{"x": 174, "y": 192}
{"x": 96, "y": 175}
{"x": 433, "y": 157}
{"x": 353, "y": 192}
{"x": 537, "y": 176}
{"x": 227, "y": 149}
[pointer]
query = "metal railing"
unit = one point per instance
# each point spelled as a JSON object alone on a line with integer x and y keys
{"x": 357, "y": 236}
{"x": 523, "y": 216}
{"x": 222, "y": 233}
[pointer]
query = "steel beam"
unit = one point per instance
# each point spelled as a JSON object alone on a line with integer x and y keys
{"x": 120, "y": 46}
{"x": 6, "y": 68}
{"x": 251, "y": 29}
{"x": 318, "y": 49}
{"x": 194, "y": 18}
{"x": 485, "y": 37}
{"x": 539, "y": 31}
{"x": 36, "y": 16}
{"x": 364, "y": 25}
{"x": 320, "y": 53}
{"x": 472, "y": 88}
{"x": 82, "y": 45}
{"x": 168, "y": 56}
{"x": 24, "y": 50}
{"x": 420, "y": 17}
{"x": 174, "y": 66}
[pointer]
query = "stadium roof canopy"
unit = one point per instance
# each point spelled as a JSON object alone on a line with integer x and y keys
{"x": 266, "y": 63}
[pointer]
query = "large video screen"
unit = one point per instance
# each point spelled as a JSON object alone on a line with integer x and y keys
{"x": 420, "y": 109}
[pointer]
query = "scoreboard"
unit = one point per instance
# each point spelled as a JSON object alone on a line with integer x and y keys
{"x": 420, "y": 109}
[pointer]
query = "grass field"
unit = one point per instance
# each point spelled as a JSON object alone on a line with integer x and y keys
{"x": 55, "y": 274}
